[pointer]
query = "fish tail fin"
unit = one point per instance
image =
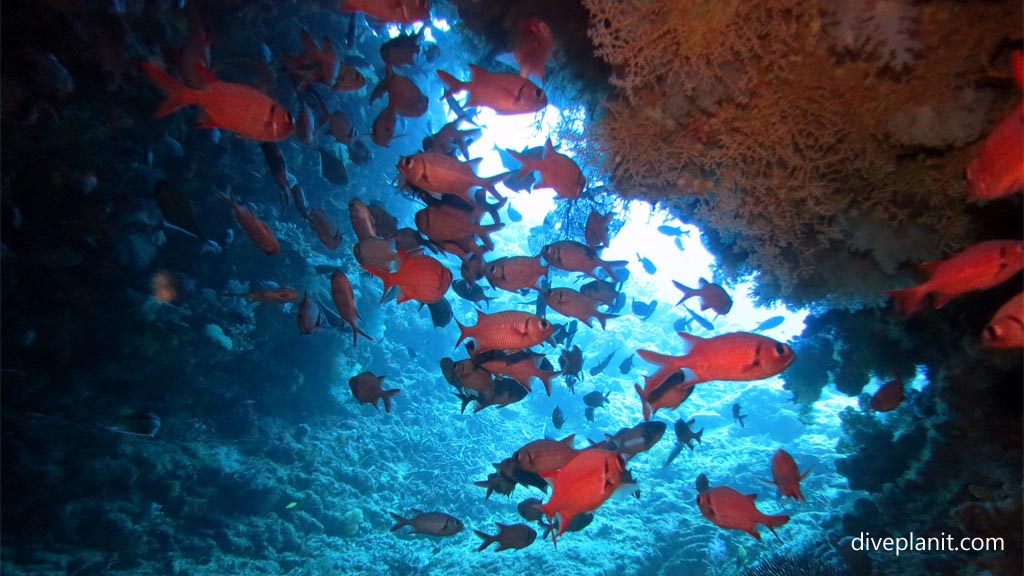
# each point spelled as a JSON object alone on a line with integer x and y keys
{"x": 462, "y": 333}
{"x": 546, "y": 377}
{"x": 686, "y": 290}
{"x": 672, "y": 455}
{"x": 178, "y": 94}
{"x": 666, "y": 366}
{"x": 774, "y": 521}
{"x": 452, "y": 84}
{"x": 486, "y": 231}
{"x": 356, "y": 332}
{"x": 487, "y": 539}
{"x": 601, "y": 317}
{"x": 643, "y": 402}
{"x": 698, "y": 435}
{"x": 909, "y": 300}
{"x": 610, "y": 266}
{"x": 741, "y": 419}
{"x": 491, "y": 182}
{"x": 386, "y": 396}
{"x": 399, "y": 521}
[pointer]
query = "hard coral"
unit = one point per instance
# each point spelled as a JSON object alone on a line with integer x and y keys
{"x": 800, "y": 113}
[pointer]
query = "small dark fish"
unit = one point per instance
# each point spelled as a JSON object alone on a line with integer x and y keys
{"x": 384, "y": 127}
{"x": 515, "y": 536}
{"x": 589, "y": 413}
{"x": 671, "y": 230}
{"x": 360, "y": 153}
{"x": 603, "y": 363}
{"x": 682, "y": 324}
{"x": 700, "y": 319}
{"x": 135, "y": 423}
{"x": 472, "y": 292}
{"x": 368, "y": 389}
{"x": 620, "y": 302}
{"x": 278, "y": 169}
{"x": 440, "y": 312}
{"x": 769, "y": 323}
{"x": 571, "y": 360}
{"x": 644, "y": 311}
{"x": 649, "y": 266}
{"x": 332, "y": 168}
{"x": 513, "y": 216}
{"x": 557, "y": 418}
{"x": 640, "y": 438}
{"x": 702, "y": 482}
{"x": 301, "y": 203}
{"x": 736, "y": 416}
{"x": 176, "y": 209}
{"x": 432, "y": 523}
{"x": 684, "y": 437}
{"x": 626, "y": 365}
{"x": 529, "y": 509}
{"x": 579, "y": 522}
{"x": 596, "y": 399}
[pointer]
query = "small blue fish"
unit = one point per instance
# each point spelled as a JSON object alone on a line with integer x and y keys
{"x": 769, "y": 323}
{"x": 700, "y": 319}
{"x": 626, "y": 365}
{"x": 644, "y": 311}
{"x": 513, "y": 216}
{"x": 649, "y": 266}
{"x": 670, "y": 230}
{"x": 682, "y": 324}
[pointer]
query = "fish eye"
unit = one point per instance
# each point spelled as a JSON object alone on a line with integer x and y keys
{"x": 539, "y": 94}
{"x": 407, "y": 161}
{"x": 781, "y": 350}
{"x": 991, "y": 334}
{"x": 544, "y": 324}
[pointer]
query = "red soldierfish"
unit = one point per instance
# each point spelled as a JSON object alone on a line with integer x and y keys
{"x": 315, "y": 64}
{"x": 711, "y": 296}
{"x": 980, "y": 266}
{"x": 280, "y": 295}
{"x": 309, "y": 317}
{"x": 787, "y": 476}
{"x": 572, "y": 256}
{"x": 557, "y": 171}
{"x": 345, "y": 300}
{"x": 419, "y": 277}
{"x": 238, "y": 108}
{"x": 997, "y": 169}
{"x": 441, "y": 174}
{"x": 669, "y": 395}
{"x": 404, "y": 97}
{"x": 735, "y": 357}
{"x": 508, "y": 330}
{"x": 888, "y": 396}
{"x": 256, "y": 229}
{"x": 727, "y": 508}
{"x": 532, "y": 47}
{"x": 503, "y": 93}
{"x": 400, "y": 11}
{"x": 326, "y": 230}
{"x": 1006, "y": 330}
{"x": 513, "y": 273}
{"x": 582, "y": 485}
{"x": 362, "y": 219}
{"x": 596, "y": 232}
{"x": 539, "y": 456}
{"x": 569, "y": 302}
{"x": 367, "y": 389}
{"x": 349, "y": 79}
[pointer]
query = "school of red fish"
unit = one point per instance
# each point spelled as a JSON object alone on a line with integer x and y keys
{"x": 502, "y": 364}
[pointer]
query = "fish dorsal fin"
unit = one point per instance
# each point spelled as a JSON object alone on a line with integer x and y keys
{"x": 753, "y": 497}
{"x": 474, "y": 164}
{"x": 929, "y": 267}
{"x": 702, "y": 283}
{"x": 417, "y": 511}
{"x": 569, "y": 440}
{"x": 549, "y": 148}
{"x": 206, "y": 77}
{"x": 307, "y": 40}
{"x": 476, "y": 72}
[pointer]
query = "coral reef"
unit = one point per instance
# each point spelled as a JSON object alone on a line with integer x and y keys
{"x": 816, "y": 122}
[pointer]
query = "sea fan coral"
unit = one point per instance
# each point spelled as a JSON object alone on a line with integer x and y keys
{"x": 768, "y": 123}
